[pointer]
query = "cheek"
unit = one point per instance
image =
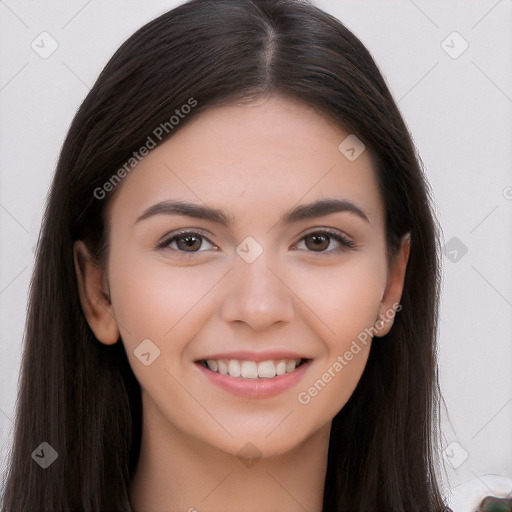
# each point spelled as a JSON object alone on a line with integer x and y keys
{"x": 168, "y": 306}
{"x": 346, "y": 303}
{"x": 344, "y": 299}
{"x": 154, "y": 300}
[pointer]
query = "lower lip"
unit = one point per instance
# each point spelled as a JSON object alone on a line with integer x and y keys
{"x": 256, "y": 388}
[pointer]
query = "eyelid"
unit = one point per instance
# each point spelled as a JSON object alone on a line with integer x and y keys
{"x": 331, "y": 231}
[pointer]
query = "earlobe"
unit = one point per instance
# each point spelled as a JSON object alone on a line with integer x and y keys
{"x": 390, "y": 303}
{"x": 94, "y": 295}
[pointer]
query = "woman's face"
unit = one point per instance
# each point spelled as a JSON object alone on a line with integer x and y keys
{"x": 267, "y": 284}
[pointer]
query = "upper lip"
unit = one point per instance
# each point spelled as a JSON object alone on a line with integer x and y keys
{"x": 244, "y": 355}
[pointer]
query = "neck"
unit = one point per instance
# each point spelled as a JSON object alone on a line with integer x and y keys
{"x": 180, "y": 473}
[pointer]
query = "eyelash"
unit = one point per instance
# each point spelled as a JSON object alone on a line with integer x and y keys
{"x": 344, "y": 242}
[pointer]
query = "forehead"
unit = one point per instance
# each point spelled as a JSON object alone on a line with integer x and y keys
{"x": 256, "y": 155}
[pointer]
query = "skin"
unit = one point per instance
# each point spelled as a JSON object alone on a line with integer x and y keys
{"x": 254, "y": 161}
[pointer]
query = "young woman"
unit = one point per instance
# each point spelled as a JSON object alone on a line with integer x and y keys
{"x": 234, "y": 304}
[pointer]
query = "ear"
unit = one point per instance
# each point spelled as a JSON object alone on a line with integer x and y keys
{"x": 94, "y": 295}
{"x": 390, "y": 303}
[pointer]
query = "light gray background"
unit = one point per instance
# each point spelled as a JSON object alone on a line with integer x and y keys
{"x": 458, "y": 111}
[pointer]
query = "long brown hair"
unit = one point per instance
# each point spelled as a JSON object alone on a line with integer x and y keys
{"x": 81, "y": 396}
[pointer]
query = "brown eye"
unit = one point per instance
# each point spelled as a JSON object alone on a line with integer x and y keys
{"x": 318, "y": 242}
{"x": 186, "y": 241}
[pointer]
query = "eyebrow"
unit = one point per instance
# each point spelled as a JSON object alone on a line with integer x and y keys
{"x": 302, "y": 212}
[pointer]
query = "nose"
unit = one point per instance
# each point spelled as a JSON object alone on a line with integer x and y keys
{"x": 257, "y": 294}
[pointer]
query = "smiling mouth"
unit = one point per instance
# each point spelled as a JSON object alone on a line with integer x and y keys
{"x": 252, "y": 369}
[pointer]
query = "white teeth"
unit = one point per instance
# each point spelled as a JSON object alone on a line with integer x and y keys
{"x": 266, "y": 370}
{"x": 290, "y": 365}
{"x": 252, "y": 369}
{"x": 281, "y": 368}
{"x": 249, "y": 370}
{"x": 222, "y": 367}
{"x": 234, "y": 368}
